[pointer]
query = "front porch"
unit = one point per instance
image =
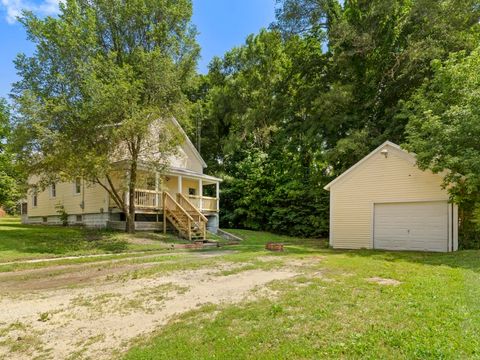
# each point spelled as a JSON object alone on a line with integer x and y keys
{"x": 202, "y": 191}
{"x": 152, "y": 200}
{"x": 185, "y": 201}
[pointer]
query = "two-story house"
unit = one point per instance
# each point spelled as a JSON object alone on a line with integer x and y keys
{"x": 182, "y": 197}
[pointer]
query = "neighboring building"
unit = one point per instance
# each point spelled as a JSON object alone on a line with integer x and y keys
{"x": 386, "y": 202}
{"x": 181, "y": 187}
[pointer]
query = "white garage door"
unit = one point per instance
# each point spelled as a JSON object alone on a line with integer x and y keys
{"x": 411, "y": 226}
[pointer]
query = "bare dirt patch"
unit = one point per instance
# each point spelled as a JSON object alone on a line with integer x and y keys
{"x": 382, "y": 281}
{"x": 99, "y": 320}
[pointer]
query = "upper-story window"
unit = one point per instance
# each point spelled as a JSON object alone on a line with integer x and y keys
{"x": 35, "y": 198}
{"x": 53, "y": 190}
{"x": 78, "y": 185}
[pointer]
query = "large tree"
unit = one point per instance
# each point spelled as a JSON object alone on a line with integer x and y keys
{"x": 444, "y": 132}
{"x": 380, "y": 52}
{"x": 299, "y": 104}
{"x": 103, "y": 74}
{"x": 9, "y": 177}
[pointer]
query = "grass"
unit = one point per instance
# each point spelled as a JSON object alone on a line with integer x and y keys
{"x": 23, "y": 242}
{"x": 333, "y": 309}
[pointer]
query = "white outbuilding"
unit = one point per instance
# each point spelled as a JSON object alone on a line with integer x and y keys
{"x": 386, "y": 202}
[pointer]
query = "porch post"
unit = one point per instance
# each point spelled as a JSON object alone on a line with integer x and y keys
{"x": 217, "y": 195}
{"x": 156, "y": 189}
{"x": 200, "y": 192}
{"x": 127, "y": 193}
{"x": 180, "y": 181}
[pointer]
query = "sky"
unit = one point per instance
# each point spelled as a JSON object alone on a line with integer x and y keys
{"x": 222, "y": 25}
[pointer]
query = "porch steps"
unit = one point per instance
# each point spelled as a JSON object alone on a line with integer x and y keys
{"x": 190, "y": 223}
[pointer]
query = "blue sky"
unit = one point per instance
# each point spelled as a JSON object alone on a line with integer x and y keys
{"x": 222, "y": 24}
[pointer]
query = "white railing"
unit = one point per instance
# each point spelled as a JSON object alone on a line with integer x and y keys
{"x": 149, "y": 199}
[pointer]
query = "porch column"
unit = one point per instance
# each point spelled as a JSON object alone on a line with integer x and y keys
{"x": 217, "y": 195}
{"x": 180, "y": 184}
{"x": 200, "y": 192}
{"x": 127, "y": 193}
{"x": 156, "y": 189}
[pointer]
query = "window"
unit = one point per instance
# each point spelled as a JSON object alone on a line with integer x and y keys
{"x": 151, "y": 182}
{"x": 78, "y": 186}
{"x": 79, "y": 218}
{"x": 35, "y": 198}
{"x": 53, "y": 190}
{"x": 44, "y": 219}
{"x": 192, "y": 191}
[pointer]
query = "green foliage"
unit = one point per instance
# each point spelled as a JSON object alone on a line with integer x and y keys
{"x": 9, "y": 177}
{"x": 63, "y": 215}
{"x": 300, "y": 103}
{"x": 102, "y": 75}
{"x": 444, "y": 129}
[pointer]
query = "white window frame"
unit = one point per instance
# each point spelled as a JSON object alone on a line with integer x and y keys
{"x": 75, "y": 186}
{"x": 34, "y": 199}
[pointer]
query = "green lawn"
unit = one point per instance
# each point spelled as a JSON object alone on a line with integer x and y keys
{"x": 334, "y": 309}
{"x": 341, "y": 304}
{"x": 19, "y": 242}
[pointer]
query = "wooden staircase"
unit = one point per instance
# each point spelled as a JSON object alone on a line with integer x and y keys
{"x": 190, "y": 223}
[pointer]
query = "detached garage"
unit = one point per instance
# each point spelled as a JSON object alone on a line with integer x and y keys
{"x": 385, "y": 202}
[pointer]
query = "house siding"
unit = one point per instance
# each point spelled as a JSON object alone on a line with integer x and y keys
{"x": 377, "y": 180}
{"x": 94, "y": 197}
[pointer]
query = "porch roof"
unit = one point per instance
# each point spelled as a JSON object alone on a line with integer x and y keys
{"x": 192, "y": 174}
{"x": 177, "y": 171}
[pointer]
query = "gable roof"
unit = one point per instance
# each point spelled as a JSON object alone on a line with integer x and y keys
{"x": 189, "y": 142}
{"x": 405, "y": 154}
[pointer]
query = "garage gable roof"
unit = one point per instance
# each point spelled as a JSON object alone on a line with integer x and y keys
{"x": 387, "y": 144}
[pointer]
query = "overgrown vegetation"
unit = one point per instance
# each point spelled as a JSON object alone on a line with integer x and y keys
{"x": 299, "y": 103}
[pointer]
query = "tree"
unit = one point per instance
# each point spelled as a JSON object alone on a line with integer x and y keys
{"x": 9, "y": 178}
{"x": 254, "y": 135}
{"x": 103, "y": 74}
{"x": 379, "y": 52}
{"x": 443, "y": 130}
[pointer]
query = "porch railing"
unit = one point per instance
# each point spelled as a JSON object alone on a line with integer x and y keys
{"x": 151, "y": 199}
{"x": 148, "y": 199}
{"x": 205, "y": 203}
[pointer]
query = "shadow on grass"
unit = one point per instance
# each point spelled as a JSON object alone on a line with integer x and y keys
{"x": 464, "y": 259}
{"x": 16, "y": 238}
{"x": 255, "y": 241}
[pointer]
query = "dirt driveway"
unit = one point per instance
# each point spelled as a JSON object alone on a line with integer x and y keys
{"x": 96, "y": 310}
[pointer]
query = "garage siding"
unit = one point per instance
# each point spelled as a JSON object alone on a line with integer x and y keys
{"x": 377, "y": 180}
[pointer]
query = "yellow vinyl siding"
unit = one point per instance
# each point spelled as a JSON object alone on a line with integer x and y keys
{"x": 94, "y": 197}
{"x": 377, "y": 180}
{"x": 193, "y": 163}
{"x": 190, "y": 184}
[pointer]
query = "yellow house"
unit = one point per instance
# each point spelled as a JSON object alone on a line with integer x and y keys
{"x": 386, "y": 202}
{"x": 188, "y": 194}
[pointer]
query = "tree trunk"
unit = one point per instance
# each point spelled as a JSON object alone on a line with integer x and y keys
{"x": 132, "y": 183}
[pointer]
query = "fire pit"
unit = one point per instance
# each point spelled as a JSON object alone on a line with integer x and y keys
{"x": 274, "y": 246}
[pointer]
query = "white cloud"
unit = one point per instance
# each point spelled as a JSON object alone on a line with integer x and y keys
{"x": 13, "y": 8}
